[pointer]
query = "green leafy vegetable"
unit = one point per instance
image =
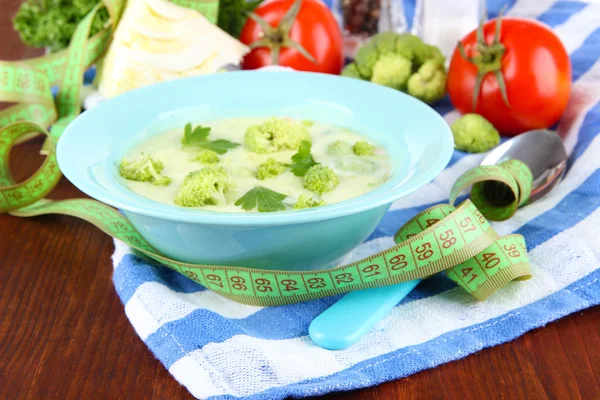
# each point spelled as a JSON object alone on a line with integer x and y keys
{"x": 266, "y": 200}
{"x": 195, "y": 136}
{"x": 198, "y": 136}
{"x": 51, "y": 23}
{"x": 220, "y": 146}
{"x": 303, "y": 159}
{"x": 233, "y": 15}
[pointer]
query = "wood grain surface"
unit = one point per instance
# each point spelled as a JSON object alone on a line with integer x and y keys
{"x": 64, "y": 334}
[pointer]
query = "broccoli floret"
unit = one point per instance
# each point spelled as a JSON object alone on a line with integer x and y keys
{"x": 403, "y": 62}
{"x": 426, "y": 52}
{"x": 428, "y": 84}
{"x": 385, "y": 42}
{"x": 474, "y": 134}
{"x": 339, "y": 148}
{"x": 205, "y": 186}
{"x": 357, "y": 165}
{"x": 144, "y": 169}
{"x": 275, "y": 134}
{"x": 363, "y": 148}
{"x": 269, "y": 169}
{"x": 306, "y": 201}
{"x": 365, "y": 59}
{"x": 392, "y": 70}
{"x": 321, "y": 179}
{"x": 351, "y": 71}
{"x": 408, "y": 46}
{"x": 207, "y": 157}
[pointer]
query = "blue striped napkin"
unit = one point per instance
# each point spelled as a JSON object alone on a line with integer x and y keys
{"x": 223, "y": 350}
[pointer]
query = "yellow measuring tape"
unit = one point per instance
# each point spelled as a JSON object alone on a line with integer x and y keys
{"x": 456, "y": 240}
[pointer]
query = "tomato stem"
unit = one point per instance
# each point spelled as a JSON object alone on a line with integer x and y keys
{"x": 487, "y": 59}
{"x": 276, "y": 37}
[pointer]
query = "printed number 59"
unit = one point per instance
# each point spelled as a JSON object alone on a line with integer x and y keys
{"x": 424, "y": 251}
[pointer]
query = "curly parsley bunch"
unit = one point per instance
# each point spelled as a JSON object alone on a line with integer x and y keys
{"x": 51, "y": 23}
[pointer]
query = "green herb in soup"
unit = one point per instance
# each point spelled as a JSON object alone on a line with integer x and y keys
{"x": 303, "y": 160}
{"x": 283, "y": 164}
{"x": 199, "y": 137}
{"x": 263, "y": 199}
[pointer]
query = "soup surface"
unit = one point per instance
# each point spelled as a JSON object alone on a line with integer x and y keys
{"x": 331, "y": 146}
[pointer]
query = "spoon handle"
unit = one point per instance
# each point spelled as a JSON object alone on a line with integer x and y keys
{"x": 347, "y": 320}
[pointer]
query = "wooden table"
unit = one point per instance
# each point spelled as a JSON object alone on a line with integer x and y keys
{"x": 64, "y": 334}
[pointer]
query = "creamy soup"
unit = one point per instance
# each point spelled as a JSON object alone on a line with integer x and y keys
{"x": 356, "y": 174}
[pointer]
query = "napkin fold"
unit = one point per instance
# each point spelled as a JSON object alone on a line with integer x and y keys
{"x": 223, "y": 350}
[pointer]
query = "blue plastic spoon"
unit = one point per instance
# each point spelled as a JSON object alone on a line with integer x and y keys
{"x": 346, "y": 321}
{"x": 342, "y": 324}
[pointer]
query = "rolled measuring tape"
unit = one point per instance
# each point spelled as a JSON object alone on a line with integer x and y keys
{"x": 457, "y": 241}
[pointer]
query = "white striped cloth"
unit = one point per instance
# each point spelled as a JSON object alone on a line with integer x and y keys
{"x": 224, "y": 350}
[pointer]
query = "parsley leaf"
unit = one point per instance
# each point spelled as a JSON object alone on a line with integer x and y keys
{"x": 302, "y": 160}
{"x": 198, "y": 136}
{"x": 262, "y": 198}
{"x": 192, "y": 137}
{"x": 51, "y": 23}
{"x": 219, "y": 146}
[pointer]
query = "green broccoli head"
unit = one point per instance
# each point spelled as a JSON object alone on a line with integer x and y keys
{"x": 269, "y": 169}
{"x": 428, "y": 84}
{"x": 385, "y": 42}
{"x": 363, "y": 148}
{"x": 427, "y": 52}
{"x": 403, "y": 62}
{"x": 306, "y": 201}
{"x": 275, "y": 134}
{"x": 339, "y": 148}
{"x": 365, "y": 59}
{"x": 321, "y": 179}
{"x": 351, "y": 71}
{"x": 356, "y": 165}
{"x": 408, "y": 46}
{"x": 207, "y": 157}
{"x": 144, "y": 169}
{"x": 203, "y": 187}
{"x": 392, "y": 70}
{"x": 474, "y": 134}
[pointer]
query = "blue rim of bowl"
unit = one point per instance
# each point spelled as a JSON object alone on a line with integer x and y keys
{"x": 381, "y": 196}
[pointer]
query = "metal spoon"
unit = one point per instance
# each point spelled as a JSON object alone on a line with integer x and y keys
{"x": 346, "y": 321}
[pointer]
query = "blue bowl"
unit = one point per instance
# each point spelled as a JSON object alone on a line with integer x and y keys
{"x": 418, "y": 139}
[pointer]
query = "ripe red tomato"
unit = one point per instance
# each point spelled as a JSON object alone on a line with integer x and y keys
{"x": 314, "y": 28}
{"x": 535, "y": 67}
